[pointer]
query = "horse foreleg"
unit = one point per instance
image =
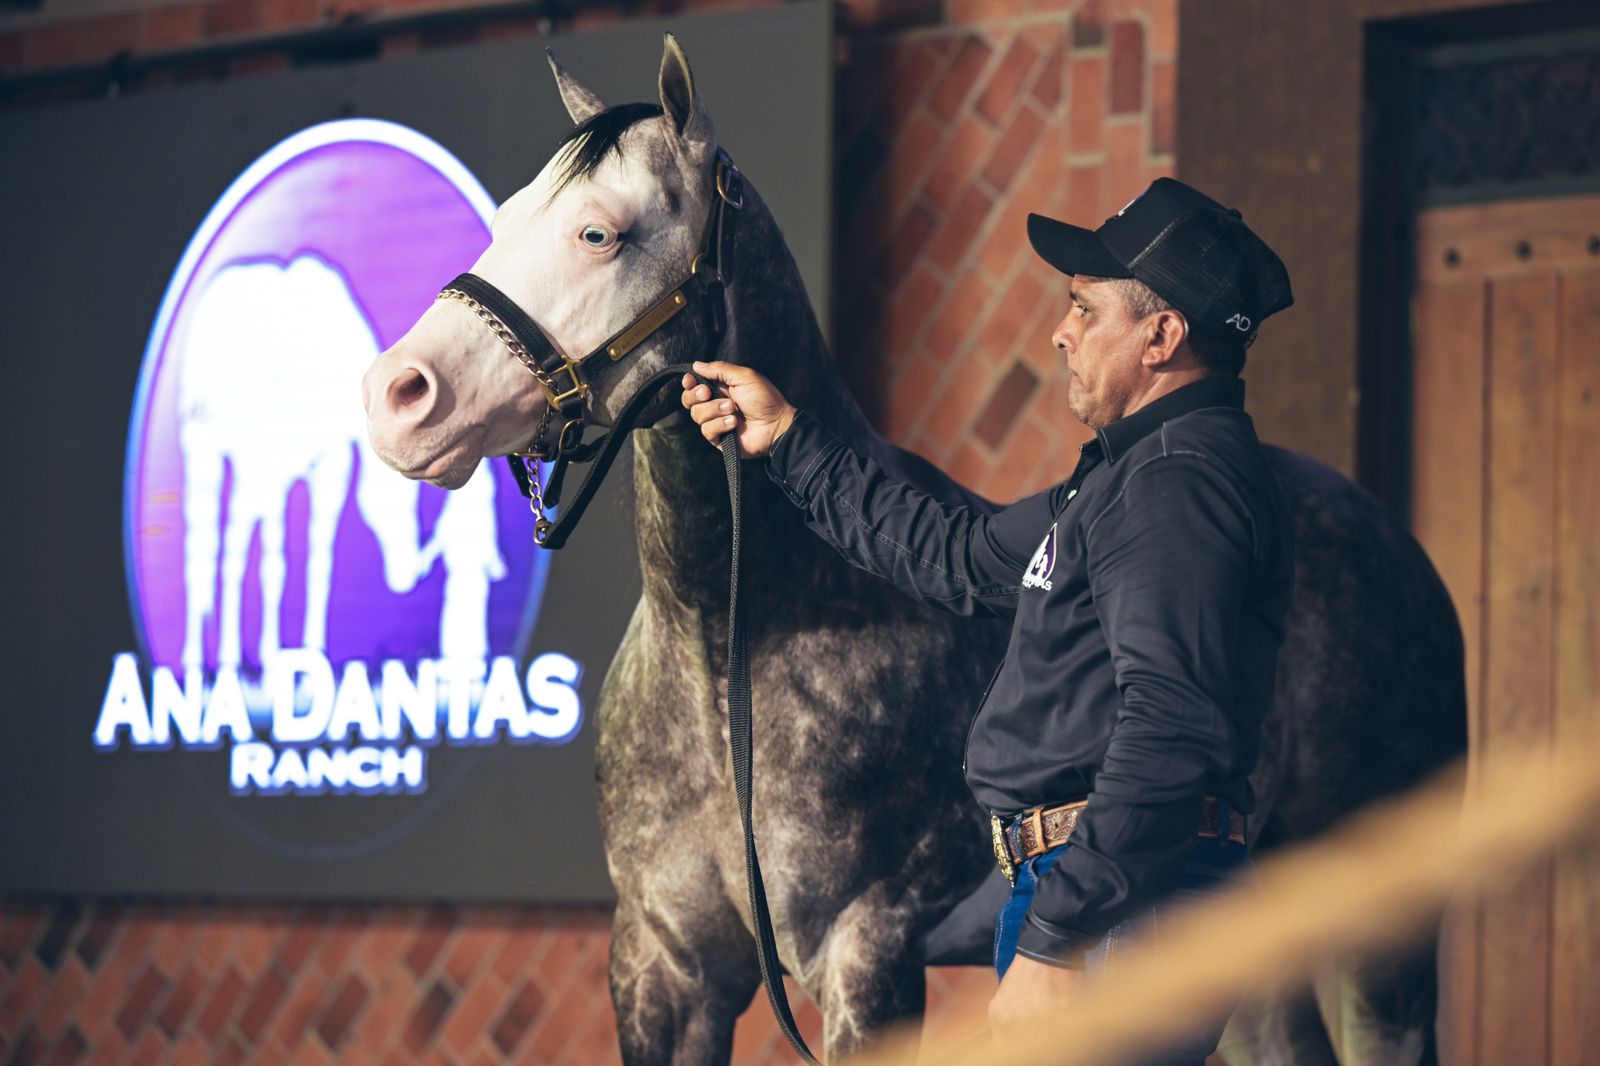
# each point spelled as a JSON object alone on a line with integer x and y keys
{"x": 870, "y": 975}
{"x": 1380, "y": 1011}
{"x": 678, "y": 991}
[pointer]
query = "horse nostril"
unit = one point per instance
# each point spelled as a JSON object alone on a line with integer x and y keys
{"x": 408, "y": 387}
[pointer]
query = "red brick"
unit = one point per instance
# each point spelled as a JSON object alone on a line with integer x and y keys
{"x": 960, "y": 228}
{"x": 967, "y": 148}
{"x": 471, "y": 950}
{"x": 426, "y": 1016}
{"x": 294, "y": 951}
{"x": 1163, "y": 28}
{"x": 1042, "y": 186}
{"x": 1018, "y": 307}
{"x": 907, "y": 315}
{"x": 430, "y": 941}
{"x": 257, "y": 936}
{"x": 55, "y": 46}
{"x": 181, "y": 1001}
{"x": 1049, "y": 83}
{"x": 342, "y": 1011}
{"x": 386, "y": 1014}
{"x": 263, "y": 999}
{"x": 1006, "y": 404}
{"x": 1015, "y": 146}
{"x": 970, "y": 12}
{"x": 519, "y": 1015}
{"x": 340, "y": 943}
{"x": 305, "y": 996}
{"x": 1089, "y": 24}
{"x": 103, "y": 38}
{"x": 909, "y": 397}
{"x": 519, "y": 950}
{"x": 968, "y": 466}
{"x": 149, "y": 1051}
{"x": 1084, "y": 206}
{"x": 1163, "y": 108}
{"x": 1007, "y": 80}
{"x": 910, "y": 237}
{"x": 229, "y": 18}
{"x": 470, "y": 1020}
{"x": 1007, "y": 240}
{"x": 1124, "y": 174}
{"x": 957, "y": 82}
{"x": 97, "y": 1008}
{"x": 291, "y": 14}
{"x": 908, "y": 157}
{"x": 171, "y": 26}
{"x": 214, "y": 939}
{"x": 70, "y": 1050}
{"x": 1014, "y": 474}
{"x": 958, "y": 401}
{"x": 224, "y": 1001}
{"x": 1127, "y": 67}
{"x": 174, "y": 948}
{"x": 141, "y": 998}
{"x": 143, "y": 925}
{"x": 912, "y": 76}
{"x": 29, "y": 987}
{"x": 1086, "y": 104}
{"x": 192, "y": 1052}
{"x": 954, "y": 322}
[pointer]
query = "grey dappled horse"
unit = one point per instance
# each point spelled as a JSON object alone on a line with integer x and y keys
{"x": 868, "y": 835}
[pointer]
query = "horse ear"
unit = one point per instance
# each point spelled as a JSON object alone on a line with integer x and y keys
{"x": 678, "y": 99}
{"x": 581, "y": 103}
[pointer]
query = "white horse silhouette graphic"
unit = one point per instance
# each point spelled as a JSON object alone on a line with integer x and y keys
{"x": 271, "y": 362}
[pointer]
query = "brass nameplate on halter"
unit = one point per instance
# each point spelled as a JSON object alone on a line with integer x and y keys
{"x": 648, "y": 323}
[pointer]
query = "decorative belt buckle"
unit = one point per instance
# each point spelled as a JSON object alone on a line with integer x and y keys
{"x": 1002, "y": 854}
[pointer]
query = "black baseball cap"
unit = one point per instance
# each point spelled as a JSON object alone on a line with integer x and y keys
{"x": 1190, "y": 250}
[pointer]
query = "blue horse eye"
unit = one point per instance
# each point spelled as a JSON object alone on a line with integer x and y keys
{"x": 595, "y": 235}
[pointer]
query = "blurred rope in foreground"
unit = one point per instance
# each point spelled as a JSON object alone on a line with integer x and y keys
{"x": 1375, "y": 880}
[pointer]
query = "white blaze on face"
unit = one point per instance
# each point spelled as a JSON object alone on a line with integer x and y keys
{"x": 449, "y": 393}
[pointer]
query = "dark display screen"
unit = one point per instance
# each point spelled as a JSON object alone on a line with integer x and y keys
{"x": 242, "y": 657}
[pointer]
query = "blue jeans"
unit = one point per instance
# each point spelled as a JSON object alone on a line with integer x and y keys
{"x": 1212, "y": 864}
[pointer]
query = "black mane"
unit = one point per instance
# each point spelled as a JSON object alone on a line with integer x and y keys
{"x": 597, "y": 137}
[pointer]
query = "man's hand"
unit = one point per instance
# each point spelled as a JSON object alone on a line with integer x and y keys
{"x": 744, "y": 402}
{"x": 1028, "y": 990}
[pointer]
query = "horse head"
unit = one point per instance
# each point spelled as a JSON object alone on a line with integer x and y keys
{"x": 600, "y": 235}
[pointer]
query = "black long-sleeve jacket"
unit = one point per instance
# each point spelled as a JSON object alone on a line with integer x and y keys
{"x": 1148, "y": 593}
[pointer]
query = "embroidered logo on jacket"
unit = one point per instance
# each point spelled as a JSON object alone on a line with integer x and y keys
{"x": 1043, "y": 564}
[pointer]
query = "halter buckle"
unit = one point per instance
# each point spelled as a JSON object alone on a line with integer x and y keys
{"x": 579, "y": 389}
{"x": 730, "y": 183}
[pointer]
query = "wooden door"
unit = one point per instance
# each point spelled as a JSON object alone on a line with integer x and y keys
{"x": 1506, "y": 322}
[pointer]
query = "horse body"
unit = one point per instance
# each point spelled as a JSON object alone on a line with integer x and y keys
{"x": 862, "y": 697}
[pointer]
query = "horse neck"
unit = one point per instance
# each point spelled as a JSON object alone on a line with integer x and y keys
{"x": 683, "y": 517}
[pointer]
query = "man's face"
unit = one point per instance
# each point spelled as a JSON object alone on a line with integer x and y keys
{"x": 1104, "y": 345}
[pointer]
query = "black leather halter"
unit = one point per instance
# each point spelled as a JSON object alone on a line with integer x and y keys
{"x": 566, "y": 382}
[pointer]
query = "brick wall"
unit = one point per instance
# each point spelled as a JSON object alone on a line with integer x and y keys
{"x": 954, "y": 121}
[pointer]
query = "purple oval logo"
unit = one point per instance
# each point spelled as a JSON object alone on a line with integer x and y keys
{"x": 257, "y": 519}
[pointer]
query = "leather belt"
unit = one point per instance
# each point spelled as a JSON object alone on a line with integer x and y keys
{"x": 1038, "y": 829}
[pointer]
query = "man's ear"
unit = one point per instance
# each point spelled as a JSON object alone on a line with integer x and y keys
{"x": 1167, "y": 331}
{"x": 581, "y": 103}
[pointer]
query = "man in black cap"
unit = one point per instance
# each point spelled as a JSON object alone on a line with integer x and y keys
{"x": 1147, "y": 591}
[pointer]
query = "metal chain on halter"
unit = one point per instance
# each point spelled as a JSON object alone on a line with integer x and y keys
{"x": 509, "y": 339}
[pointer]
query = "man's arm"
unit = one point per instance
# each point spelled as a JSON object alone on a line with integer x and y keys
{"x": 963, "y": 560}
{"x": 1169, "y": 562}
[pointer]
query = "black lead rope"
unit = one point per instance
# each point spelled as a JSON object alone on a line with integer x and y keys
{"x": 607, "y": 447}
{"x": 741, "y": 747}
